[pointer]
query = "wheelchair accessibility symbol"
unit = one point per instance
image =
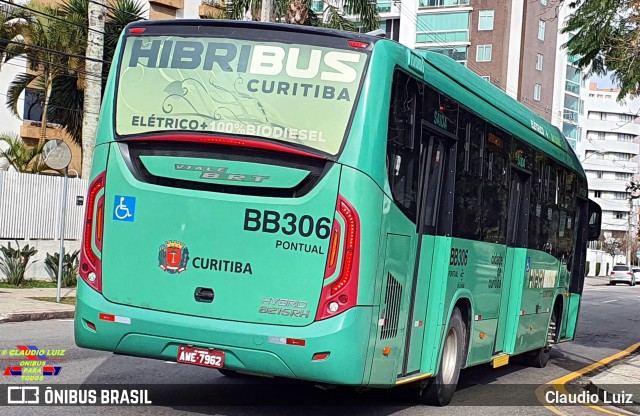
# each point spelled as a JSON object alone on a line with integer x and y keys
{"x": 124, "y": 208}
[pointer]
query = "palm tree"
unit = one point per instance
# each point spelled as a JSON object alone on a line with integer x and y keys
{"x": 68, "y": 100}
{"x": 299, "y": 12}
{"x": 48, "y": 44}
{"x": 61, "y": 77}
{"x": 8, "y": 31}
{"x": 21, "y": 156}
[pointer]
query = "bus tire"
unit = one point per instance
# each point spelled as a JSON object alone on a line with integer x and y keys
{"x": 440, "y": 389}
{"x": 540, "y": 357}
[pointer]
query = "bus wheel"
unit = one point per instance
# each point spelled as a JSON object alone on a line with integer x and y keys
{"x": 540, "y": 357}
{"x": 440, "y": 389}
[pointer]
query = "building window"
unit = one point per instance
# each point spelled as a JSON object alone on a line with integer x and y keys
{"x": 391, "y": 27}
{"x": 440, "y": 3}
{"x": 628, "y": 118}
{"x": 543, "y": 2}
{"x": 600, "y": 135}
{"x": 537, "y": 91}
{"x": 483, "y": 53}
{"x": 457, "y": 53}
{"x": 486, "y": 78}
{"x": 33, "y": 104}
{"x": 620, "y": 215}
{"x": 622, "y": 137}
{"x": 620, "y": 195}
{"x": 539, "y": 62}
{"x": 597, "y": 194}
{"x": 620, "y": 176}
{"x": 541, "y": 25}
{"x": 485, "y": 22}
{"x": 620, "y": 156}
{"x": 442, "y": 27}
{"x": 318, "y": 6}
{"x": 599, "y": 174}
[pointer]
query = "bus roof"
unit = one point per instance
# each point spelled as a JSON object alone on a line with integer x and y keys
{"x": 238, "y": 24}
{"x": 509, "y": 107}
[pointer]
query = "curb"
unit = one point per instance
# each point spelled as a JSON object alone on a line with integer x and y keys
{"x": 36, "y": 316}
{"x": 603, "y": 392}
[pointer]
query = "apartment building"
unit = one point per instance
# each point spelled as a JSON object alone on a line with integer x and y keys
{"x": 511, "y": 44}
{"x": 568, "y": 105}
{"x": 610, "y": 154}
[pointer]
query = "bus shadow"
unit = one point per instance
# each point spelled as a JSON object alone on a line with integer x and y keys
{"x": 203, "y": 391}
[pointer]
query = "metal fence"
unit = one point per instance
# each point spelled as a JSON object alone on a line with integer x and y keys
{"x": 30, "y": 206}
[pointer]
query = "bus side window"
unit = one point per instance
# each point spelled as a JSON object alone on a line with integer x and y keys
{"x": 495, "y": 190}
{"x": 402, "y": 154}
{"x": 536, "y": 201}
{"x": 467, "y": 208}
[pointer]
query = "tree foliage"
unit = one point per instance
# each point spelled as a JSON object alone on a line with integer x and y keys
{"x": 60, "y": 77}
{"x": 21, "y": 156}
{"x": 300, "y": 12}
{"x": 606, "y": 38}
{"x": 49, "y": 46}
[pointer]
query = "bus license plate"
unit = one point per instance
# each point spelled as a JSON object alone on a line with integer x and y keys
{"x": 200, "y": 356}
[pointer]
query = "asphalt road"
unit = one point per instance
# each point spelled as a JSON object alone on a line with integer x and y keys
{"x": 609, "y": 322}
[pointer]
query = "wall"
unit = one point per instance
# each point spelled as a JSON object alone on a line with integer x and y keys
{"x": 36, "y": 271}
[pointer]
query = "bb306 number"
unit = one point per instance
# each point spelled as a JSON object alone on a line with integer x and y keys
{"x": 288, "y": 223}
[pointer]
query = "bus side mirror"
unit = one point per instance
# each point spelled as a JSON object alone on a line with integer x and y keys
{"x": 595, "y": 217}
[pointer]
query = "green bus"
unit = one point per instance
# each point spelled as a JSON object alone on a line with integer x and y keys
{"x": 327, "y": 206}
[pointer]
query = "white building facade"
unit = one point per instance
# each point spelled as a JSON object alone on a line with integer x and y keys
{"x": 610, "y": 157}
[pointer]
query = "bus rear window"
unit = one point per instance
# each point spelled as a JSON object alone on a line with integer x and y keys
{"x": 295, "y": 93}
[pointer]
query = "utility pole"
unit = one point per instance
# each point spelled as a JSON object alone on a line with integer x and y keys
{"x": 93, "y": 90}
{"x": 629, "y": 261}
{"x": 265, "y": 15}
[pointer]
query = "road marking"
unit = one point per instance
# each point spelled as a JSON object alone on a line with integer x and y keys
{"x": 609, "y": 301}
{"x": 64, "y": 320}
{"x": 171, "y": 362}
{"x": 559, "y": 383}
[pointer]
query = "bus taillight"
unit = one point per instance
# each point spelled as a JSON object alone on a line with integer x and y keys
{"x": 342, "y": 293}
{"x": 90, "y": 270}
{"x": 334, "y": 248}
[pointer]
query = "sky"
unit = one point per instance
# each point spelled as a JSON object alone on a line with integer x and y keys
{"x": 603, "y": 82}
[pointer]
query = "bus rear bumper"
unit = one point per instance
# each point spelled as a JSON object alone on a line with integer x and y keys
{"x": 250, "y": 347}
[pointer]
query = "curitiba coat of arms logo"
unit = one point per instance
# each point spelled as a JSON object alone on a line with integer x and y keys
{"x": 173, "y": 257}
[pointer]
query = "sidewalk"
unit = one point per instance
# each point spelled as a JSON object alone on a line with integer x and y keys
{"x": 597, "y": 280}
{"x": 17, "y": 304}
{"x": 618, "y": 381}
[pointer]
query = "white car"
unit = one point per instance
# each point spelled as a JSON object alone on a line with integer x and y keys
{"x": 622, "y": 274}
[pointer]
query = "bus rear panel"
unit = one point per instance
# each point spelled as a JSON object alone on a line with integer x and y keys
{"x": 216, "y": 213}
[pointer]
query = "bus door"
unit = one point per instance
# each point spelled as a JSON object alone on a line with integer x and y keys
{"x": 434, "y": 219}
{"x": 588, "y": 220}
{"x": 516, "y": 259}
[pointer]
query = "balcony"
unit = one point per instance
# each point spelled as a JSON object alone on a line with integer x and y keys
{"x": 384, "y": 6}
{"x": 572, "y": 87}
{"x": 442, "y": 3}
{"x": 442, "y": 36}
{"x": 30, "y": 133}
{"x": 172, "y": 4}
{"x": 570, "y": 115}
